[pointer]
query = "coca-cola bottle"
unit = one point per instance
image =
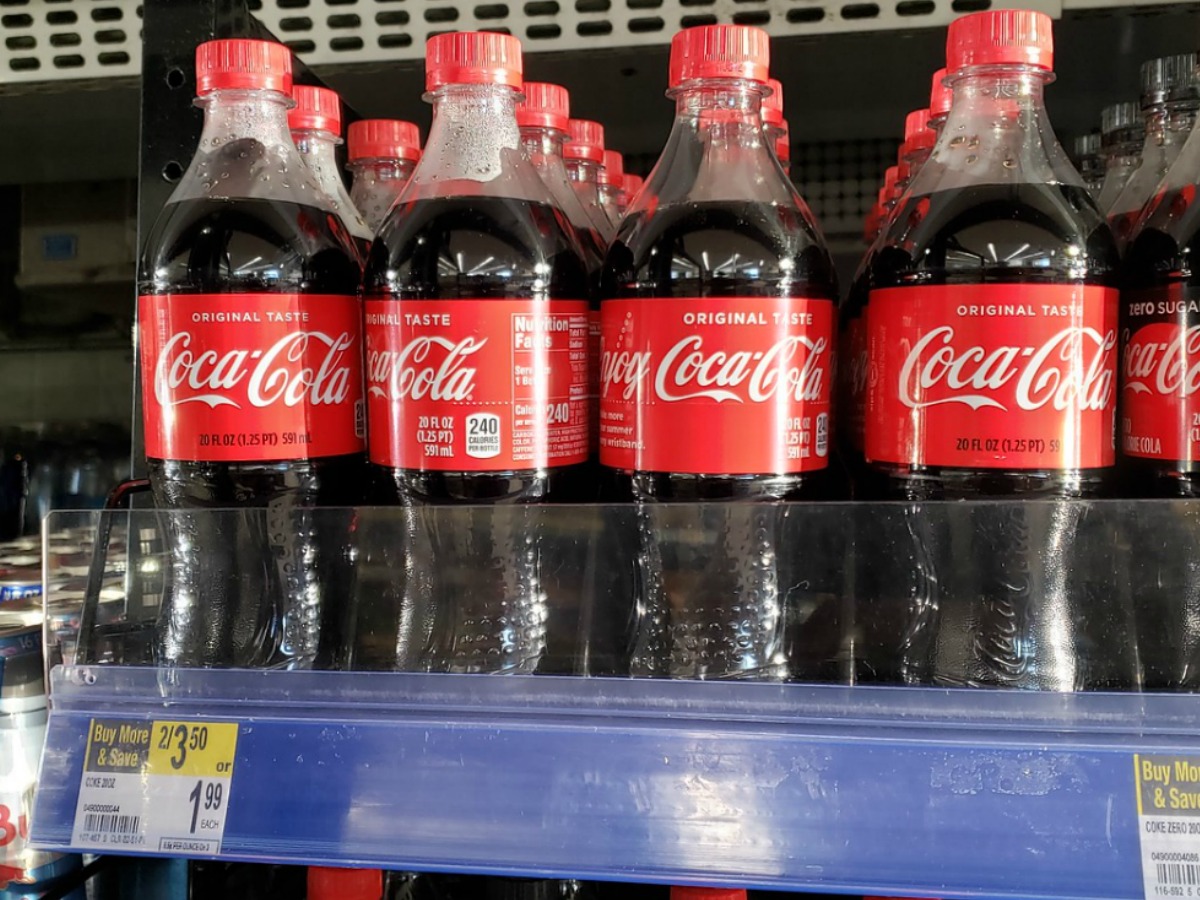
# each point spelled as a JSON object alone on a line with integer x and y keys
{"x": 718, "y": 319}
{"x": 610, "y": 181}
{"x": 382, "y": 154}
{"x": 1121, "y": 135}
{"x": 316, "y": 124}
{"x": 1089, "y": 161}
{"x": 773, "y": 123}
{"x": 992, "y": 343}
{"x": 630, "y": 188}
{"x": 1160, "y": 408}
{"x": 918, "y": 145}
{"x": 477, "y": 372}
{"x": 941, "y": 95}
{"x": 583, "y": 154}
{"x": 852, "y": 343}
{"x": 251, "y": 359}
{"x": 783, "y": 149}
{"x": 1170, "y": 98}
{"x": 543, "y": 116}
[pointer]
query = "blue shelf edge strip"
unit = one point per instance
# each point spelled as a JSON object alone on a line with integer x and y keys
{"x": 898, "y": 791}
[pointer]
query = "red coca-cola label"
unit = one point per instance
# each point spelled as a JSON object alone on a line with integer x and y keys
{"x": 853, "y": 375}
{"x": 251, "y": 377}
{"x": 1160, "y": 374}
{"x": 716, "y": 386}
{"x": 593, "y": 379}
{"x": 1002, "y": 376}
{"x": 477, "y": 385}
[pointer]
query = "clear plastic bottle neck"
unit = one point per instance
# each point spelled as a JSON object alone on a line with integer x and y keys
{"x": 997, "y": 132}
{"x": 544, "y": 147}
{"x": 584, "y": 177}
{"x": 1163, "y": 212}
{"x": 1167, "y": 129}
{"x": 474, "y": 147}
{"x": 382, "y": 169}
{"x": 583, "y": 171}
{"x": 718, "y": 149}
{"x": 246, "y": 152}
{"x": 319, "y": 149}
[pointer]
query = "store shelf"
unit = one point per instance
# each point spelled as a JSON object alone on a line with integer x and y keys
{"x": 920, "y": 791}
{"x": 900, "y": 791}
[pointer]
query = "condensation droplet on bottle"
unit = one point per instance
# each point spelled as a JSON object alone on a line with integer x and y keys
{"x": 972, "y": 159}
{"x": 1010, "y": 163}
{"x": 958, "y": 141}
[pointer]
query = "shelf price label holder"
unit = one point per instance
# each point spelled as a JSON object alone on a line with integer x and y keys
{"x": 156, "y": 786}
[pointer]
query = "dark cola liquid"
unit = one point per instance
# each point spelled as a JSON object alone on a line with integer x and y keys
{"x": 727, "y": 590}
{"x": 1161, "y": 288}
{"x": 476, "y": 248}
{"x": 243, "y": 593}
{"x": 477, "y": 598}
{"x": 1009, "y": 595}
{"x": 721, "y": 249}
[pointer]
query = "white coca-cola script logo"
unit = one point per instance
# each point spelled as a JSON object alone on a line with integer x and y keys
{"x": 1170, "y": 368}
{"x": 427, "y": 367}
{"x": 1071, "y": 369}
{"x": 792, "y": 366}
{"x": 303, "y": 367}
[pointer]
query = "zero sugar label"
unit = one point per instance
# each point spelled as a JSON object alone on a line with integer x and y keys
{"x": 1160, "y": 374}
{"x": 238, "y": 377}
{"x": 718, "y": 385}
{"x": 477, "y": 385}
{"x": 1003, "y": 376}
{"x": 1168, "y": 806}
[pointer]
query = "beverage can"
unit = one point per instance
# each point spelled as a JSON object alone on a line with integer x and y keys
{"x": 22, "y": 733}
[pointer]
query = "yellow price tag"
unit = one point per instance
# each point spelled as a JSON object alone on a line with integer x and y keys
{"x": 198, "y": 749}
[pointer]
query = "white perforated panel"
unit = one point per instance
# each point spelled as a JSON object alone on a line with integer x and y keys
{"x": 54, "y": 40}
{"x": 348, "y": 31}
{"x": 51, "y": 40}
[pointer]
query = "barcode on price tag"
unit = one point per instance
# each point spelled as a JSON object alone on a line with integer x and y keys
{"x": 155, "y": 787}
{"x": 1168, "y": 803}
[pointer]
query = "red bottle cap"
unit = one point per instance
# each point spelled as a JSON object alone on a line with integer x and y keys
{"x": 679, "y": 892}
{"x": 890, "y": 177}
{"x": 772, "y": 107}
{"x": 719, "y": 51}
{"x": 614, "y": 169}
{"x": 383, "y": 139}
{"x": 545, "y": 106}
{"x": 344, "y": 884}
{"x": 316, "y": 109}
{"x": 940, "y": 96}
{"x": 783, "y": 144}
{"x": 999, "y": 37}
{"x": 585, "y": 140}
{"x": 917, "y": 133}
{"x": 472, "y": 57}
{"x": 243, "y": 65}
{"x": 632, "y": 184}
